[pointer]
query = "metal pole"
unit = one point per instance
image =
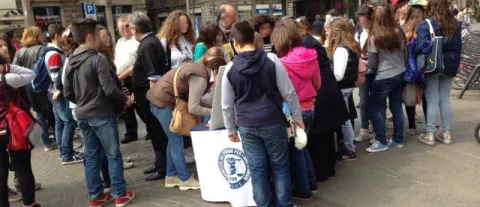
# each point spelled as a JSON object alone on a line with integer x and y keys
{"x": 188, "y": 9}
{"x": 27, "y": 12}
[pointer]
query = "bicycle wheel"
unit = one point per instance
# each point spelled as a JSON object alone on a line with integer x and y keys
{"x": 477, "y": 133}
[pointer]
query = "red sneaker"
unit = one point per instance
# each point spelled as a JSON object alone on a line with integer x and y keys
{"x": 124, "y": 199}
{"x": 101, "y": 200}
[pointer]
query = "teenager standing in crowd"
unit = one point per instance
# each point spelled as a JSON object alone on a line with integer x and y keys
{"x": 15, "y": 77}
{"x": 149, "y": 65}
{"x": 96, "y": 116}
{"x": 258, "y": 114}
{"x": 344, "y": 52}
{"x": 302, "y": 68}
{"x": 365, "y": 15}
{"x": 210, "y": 36}
{"x": 387, "y": 59}
{"x": 264, "y": 24}
{"x": 438, "y": 85}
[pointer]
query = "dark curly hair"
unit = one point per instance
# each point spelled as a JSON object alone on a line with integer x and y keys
{"x": 208, "y": 34}
{"x": 439, "y": 10}
{"x": 262, "y": 19}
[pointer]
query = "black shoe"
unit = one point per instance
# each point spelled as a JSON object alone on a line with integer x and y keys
{"x": 150, "y": 170}
{"x": 155, "y": 176}
{"x": 348, "y": 156}
{"x": 313, "y": 187}
{"x": 147, "y": 137}
{"x": 303, "y": 196}
{"x": 127, "y": 140}
{"x": 72, "y": 160}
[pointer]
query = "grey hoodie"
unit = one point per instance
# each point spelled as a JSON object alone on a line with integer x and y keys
{"x": 94, "y": 92}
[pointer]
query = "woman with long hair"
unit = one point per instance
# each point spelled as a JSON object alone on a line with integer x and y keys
{"x": 177, "y": 38}
{"x": 438, "y": 85}
{"x": 263, "y": 24}
{"x": 387, "y": 60}
{"x": 302, "y": 67}
{"x": 344, "y": 52}
{"x": 210, "y": 36}
{"x": 308, "y": 27}
{"x": 401, "y": 7}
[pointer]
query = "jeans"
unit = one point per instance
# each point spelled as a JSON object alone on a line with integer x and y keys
{"x": 99, "y": 135}
{"x": 64, "y": 126}
{"x": 364, "y": 92}
{"x": 263, "y": 146}
{"x": 43, "y": 120}
{"x": 301, "y": 161}
{"x": 347, "y": 129}
{"x": 176, "y": 164}
{"x": 379, "y": 91}
{"x": 437, "y": 92}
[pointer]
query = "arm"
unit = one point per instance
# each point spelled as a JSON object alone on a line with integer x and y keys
{"x": 228, "y": 97}
{"x": 372, "y": 63}
{"x": 19, "y": 76}
{"x": 126, "y": 73}
{"x": 197, "y": 85}
{"x": 286, "y": 89}
{"x": 154, "y": 62}
{"x": 316, "y": 79}
{"x": 54, "y": 66}
{"x": 199, "y": 51}
{"x": 107, "y": 81}
{"x": 340, "y": 61}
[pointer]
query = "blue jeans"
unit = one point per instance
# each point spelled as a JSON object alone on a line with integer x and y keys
{"x": 347, "y": 128}
{"x": 437, "y": 92}
{"x": 301, "y": 161}
{"x": 64, "y": 126}
{"x": 263, "y": 146}
{"x": 176, "y": 165}
{"x": 100, "y": 135}
{"x": 379, "y": 91}
{"x": 43, "y": 120}
{"x": 364, "y": 92}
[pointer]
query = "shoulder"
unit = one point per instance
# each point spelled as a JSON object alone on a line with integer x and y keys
{"x": 273, "y": 57}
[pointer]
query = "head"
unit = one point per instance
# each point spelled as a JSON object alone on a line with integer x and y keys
{"x": 258, "y": 41}
{"x": 10, "y": 32}
{"x": 213, "y": 59}
{"x": 284, "y": 38}
{"x": 243, "y": 36}
{"x": 385, "y": 31}
{"x": 365, "y": 15}
{"x": 440, "y": 12}
{"x": 55, "y": 32}
{"x": 122, "y": 26}
{"x": 327, "y": 25}
{"x": 139, "y": 24}
{"x": 4, "y": 45}
{"x": 415, "y": 15}
{"x": 105, "y": 44}
{"x": 69, "y": 45}
{"x": 318, "y": 17}
{"x": 210, "y": 34}
{"x": 32, "y": 35}
{"x": 401, "y": 8}
{"x": 263, "y": 24}
{"x": 227, "y": 15}
{"x": 84, "y": 32}
{"x": 342, "y": 32}
{"x": 176, "y": 25}
{"x": 305, "y": 25}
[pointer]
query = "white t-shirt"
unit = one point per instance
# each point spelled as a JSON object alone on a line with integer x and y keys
{"x": 177, "y": 56}
{"x": 125, "y": 54}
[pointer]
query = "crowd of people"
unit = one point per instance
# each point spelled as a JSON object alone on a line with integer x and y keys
{"x": 275, "y": 70}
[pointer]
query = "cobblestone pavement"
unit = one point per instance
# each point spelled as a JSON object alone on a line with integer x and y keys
{"x": 415, "y": 176}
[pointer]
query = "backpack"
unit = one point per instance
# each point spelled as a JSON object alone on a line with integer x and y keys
{"x": 42, "y": 81}
{"x": 21, "y": 124}
{"x": 118, "y": 107}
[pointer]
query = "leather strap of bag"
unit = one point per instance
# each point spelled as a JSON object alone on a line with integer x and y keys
{"x": 175, "y": 78}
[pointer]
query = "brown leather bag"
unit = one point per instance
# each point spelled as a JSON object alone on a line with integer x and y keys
{"x": 182, "y": 121}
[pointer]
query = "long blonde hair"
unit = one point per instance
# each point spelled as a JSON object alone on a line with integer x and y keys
{"x": 171, "y": 30}
{"x": 30, "y": 36}
{"x": 342, "y": 32}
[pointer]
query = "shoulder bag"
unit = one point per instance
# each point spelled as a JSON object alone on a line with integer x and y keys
{"x": 434, "y": 60}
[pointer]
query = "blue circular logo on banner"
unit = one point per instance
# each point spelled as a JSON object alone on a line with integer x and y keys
{"x": 234, "y": 167}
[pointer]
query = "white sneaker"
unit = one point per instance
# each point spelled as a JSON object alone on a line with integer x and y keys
{"x": 373, "y": 140}
{"x": 363, "y": 135}
{"x": 189, "y": 155}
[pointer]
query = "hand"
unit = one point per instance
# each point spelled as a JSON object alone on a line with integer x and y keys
{"x": 122, "y": 76}
{"x": 56, "y": 95}
{"x": 129, "y": 101}
{"x": 234, "y": 137}
{"x": 133, "y": 97}
{"x": 299, "y": 124}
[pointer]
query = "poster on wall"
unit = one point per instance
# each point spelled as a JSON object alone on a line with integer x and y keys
{"x": 245, "y": 12}
{"x": 277, "y": 9}
{"x": 262, "y": 9}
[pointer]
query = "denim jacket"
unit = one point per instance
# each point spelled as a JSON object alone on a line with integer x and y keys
{"x": 452, "y": 47}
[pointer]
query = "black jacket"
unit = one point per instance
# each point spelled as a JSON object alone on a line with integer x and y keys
{"x": 351, "y": 73}
{"x": 151, "y": 61}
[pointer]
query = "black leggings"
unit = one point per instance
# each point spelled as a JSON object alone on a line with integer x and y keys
{"x": 21, "y": 161}
{"x": 411, "y": 113}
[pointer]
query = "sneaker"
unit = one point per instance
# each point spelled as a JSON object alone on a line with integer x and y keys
{"x": 101, "y": 200}
{"x": 127, "y": 159}
{"x": 377, "y": 147}
{"x": 72, "y": 160}
{"x": 373, "y": 140}
{"x": 189, "y": 156}
{"x": 412, "y": 132}
{"x": 348, "y": 156}
{"x": 390, "y": 117}
{"x": 171, "y": 182}
{"x": 51, "y": 147}
{"x": 128, "y": 165}
{"x": 306, "y": 196}
{"x": 124, "y": 199}
{"x": 363, "y": 135}
{"x": 427, "y": 139}
{"x": 313, "y": 187}
{"x": 392, "y": 143}
{"x": 13, "y": 196}
{"x": 191, "y": 183}
{"x": 444, "y": 137}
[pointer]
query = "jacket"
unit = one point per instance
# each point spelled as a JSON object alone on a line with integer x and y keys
{"x": 452, "y": 47}
{"x": 351, "y": 71}
{"x": 302, "y": 68}
{"x": 162, "y": 94}
{"x": 94, "y": 92}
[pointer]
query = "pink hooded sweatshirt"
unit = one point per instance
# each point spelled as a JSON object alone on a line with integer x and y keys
{"x": 302, "y": 67}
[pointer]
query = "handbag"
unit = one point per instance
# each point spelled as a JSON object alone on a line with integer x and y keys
{"x": 182, "y": 121}
{"x": 434, "y": 59}
{"x": 412, "y": 94}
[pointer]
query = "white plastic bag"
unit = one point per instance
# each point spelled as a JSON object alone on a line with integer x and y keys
{"x": 300, "y": 138}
